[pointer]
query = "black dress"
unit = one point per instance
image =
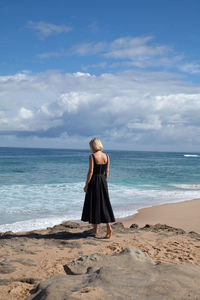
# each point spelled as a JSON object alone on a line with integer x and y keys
{"x": 97, "y": 208}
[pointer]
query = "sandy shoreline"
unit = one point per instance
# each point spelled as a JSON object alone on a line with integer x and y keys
{"x": 185, "y": 215}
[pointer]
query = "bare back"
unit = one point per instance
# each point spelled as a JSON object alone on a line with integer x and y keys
{"x": 100, "y": 157}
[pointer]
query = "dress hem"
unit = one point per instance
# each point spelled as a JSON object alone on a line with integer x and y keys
{"x": 102, "y": 222}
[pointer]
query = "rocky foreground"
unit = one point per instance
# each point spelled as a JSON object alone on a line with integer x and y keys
{"x": 68, "y": 262}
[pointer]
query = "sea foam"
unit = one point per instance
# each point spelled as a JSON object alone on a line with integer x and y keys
{"x": 191, "y": 155}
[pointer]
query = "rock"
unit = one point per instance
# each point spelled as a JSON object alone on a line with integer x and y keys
{"x": 163, "y": 227}
{"x": 147, "y": 226}
{"x": 128, "y": 275}
{"x": 118, "y": 227}
{"x": 64, "y": 225}
{"x": 81, "y": 265}
{"x": 70, "y": 224}
{"x": 7, "y": 234}
{"x": 194, "y": 234}
{"x": 29, "y": 280}
{"x": 134, "y": 226}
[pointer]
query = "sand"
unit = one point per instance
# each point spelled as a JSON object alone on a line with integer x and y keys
{"x": 185, "y": 215}
{"x": 28, "y": 258}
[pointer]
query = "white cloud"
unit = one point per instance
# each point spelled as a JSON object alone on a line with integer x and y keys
{"x": 151, "y": 123}
{"x": 81, "y": 74}
{"x": 70, "y": 102}
{"x": 192, "y": 68}
{"x": 25, "y": 113}
{"x": 127, "y": 52}
{"x": 137, "y": 51}
{"x": 141, "y": 52}
{"x": 124, "y": 47}
{"x": 130, "y": 48}
{"x": 44, "y": 29}
{"x": 89, "y": 48}
{"x": 129, "y": 109}
{"x": 15, "y": 78}
{"x": 101, "y": 65}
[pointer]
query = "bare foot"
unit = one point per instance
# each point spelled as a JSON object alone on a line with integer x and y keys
{"x": 109, "y": 233}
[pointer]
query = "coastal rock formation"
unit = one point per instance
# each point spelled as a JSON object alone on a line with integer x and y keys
{"x": 162, "y": 227}
{"x": 128, "y": 275}
{"x": 96, "y": 267}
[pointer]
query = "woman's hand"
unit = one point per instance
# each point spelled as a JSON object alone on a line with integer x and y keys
{"x": 85, "y": 189}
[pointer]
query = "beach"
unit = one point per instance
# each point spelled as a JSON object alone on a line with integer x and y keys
{"x": 29, "y": 258}
{"x": 99, "y": 122}
{"x": 185, "y": 215}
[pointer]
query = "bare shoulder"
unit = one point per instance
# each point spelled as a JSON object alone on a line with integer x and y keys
{"x": 90, "y": 157}
{"x": 107, "y": 157}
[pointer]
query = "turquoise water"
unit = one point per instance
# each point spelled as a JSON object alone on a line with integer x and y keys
{"x": 42, "y": 187}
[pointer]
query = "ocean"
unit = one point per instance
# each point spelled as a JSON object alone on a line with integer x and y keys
{"x": 43, "y": 187}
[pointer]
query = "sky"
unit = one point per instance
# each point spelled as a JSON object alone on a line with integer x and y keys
{"x": 125, "y": 71}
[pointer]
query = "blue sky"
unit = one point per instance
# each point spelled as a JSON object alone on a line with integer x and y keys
{"x": 126, "y": 71}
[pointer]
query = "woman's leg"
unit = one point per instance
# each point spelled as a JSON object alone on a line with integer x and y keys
{"x": 109, "y": 231}
{"x": 95, "y": 227}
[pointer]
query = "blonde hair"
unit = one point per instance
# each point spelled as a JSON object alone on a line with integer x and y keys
{"x": 96, "y": 145}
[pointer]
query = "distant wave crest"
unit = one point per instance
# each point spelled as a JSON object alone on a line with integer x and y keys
{"x": 191, "y": 155}
{"x": 187, "y": 186}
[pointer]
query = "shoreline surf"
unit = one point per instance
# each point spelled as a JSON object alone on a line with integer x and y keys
{"x": 142, "y": 216}
{"x": 43, "y": 187}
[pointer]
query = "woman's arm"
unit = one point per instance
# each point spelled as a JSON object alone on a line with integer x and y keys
{"x": 107, "y": 168}
{"x": 90, "y": 172}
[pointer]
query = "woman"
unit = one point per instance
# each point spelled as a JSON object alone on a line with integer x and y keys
{"x": 97, "y": 208}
